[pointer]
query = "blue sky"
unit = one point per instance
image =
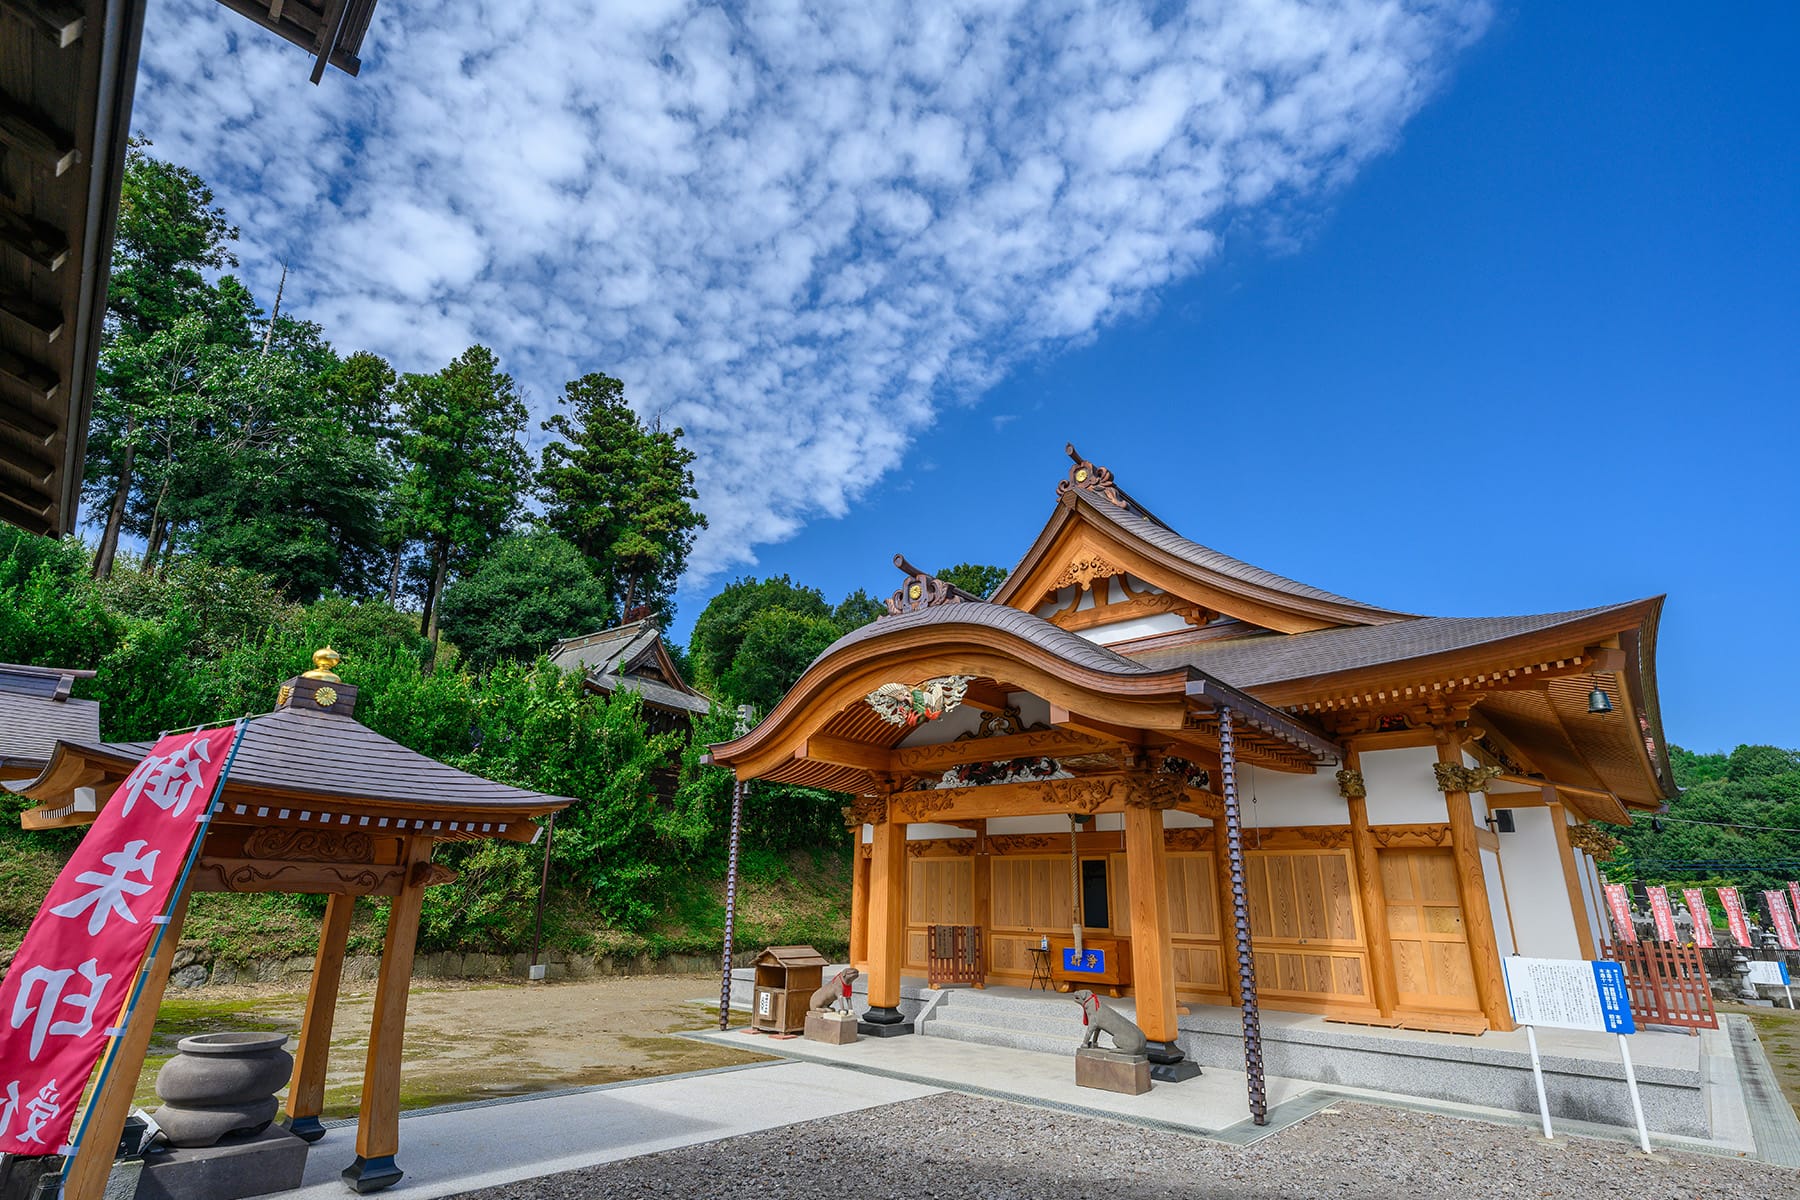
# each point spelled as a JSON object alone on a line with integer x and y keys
{"x": 1453, "y": 307}
{"x": 1541, "y": 356}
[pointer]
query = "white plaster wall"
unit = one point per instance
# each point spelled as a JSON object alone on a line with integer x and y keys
{"x": 1033, "y": 710}
{"x": 1402, "y": 789}
{"x": 1597, "y": 897}
{"x": 1590, "y": 898}
{"x": 1048, "y": 823}
{"x": 1496, "y": 894}
{"x": 1543, "y": 922}
{"x": 1124, "y": 631}
{"x": 926, "y": 830}
{"x": 1174, "y": 818}
{"x": 1271, "y": 798}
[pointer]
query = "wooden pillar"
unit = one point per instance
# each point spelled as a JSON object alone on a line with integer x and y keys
{"x": 1222, "y": 878}
{"x": 887, "y": 922}
{"x": 982, "y": 889}
{"x": 86, "y": 1175}
{"x": 1478, "y": 918}
{"x": 378, "y": 1120}
{"x": 306, "y": 1090}
{"x": 859, "y": 903}
{"x": 1371, "y": 894}
{"x": 1152, "y": 953}
{"x": 1559, "y": 821}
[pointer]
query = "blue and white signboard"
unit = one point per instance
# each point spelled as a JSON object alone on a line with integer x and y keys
{"x": 1773, "y": 972}
{"x": 1573, "y": 993}
{"x": 1568, "y": 993}
{"x": 1089, "y": 961}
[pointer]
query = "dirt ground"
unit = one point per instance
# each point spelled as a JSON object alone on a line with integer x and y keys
{"x": 478, "y": 1041}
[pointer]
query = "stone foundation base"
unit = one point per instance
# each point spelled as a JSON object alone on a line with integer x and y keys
{"x": 1111, "y": 1071}
{"x": 270, "y": 1161}
{"x": 834, "y": 1029}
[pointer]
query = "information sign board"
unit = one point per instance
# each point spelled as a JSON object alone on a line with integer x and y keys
{"x": 1089, "y": 961}
{"x": 1773, "y": 972}
{"x": 1563, "y": 993}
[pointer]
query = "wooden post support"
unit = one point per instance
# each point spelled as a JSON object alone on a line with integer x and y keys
{"x": 1152, "y": 953}
{"x": 1559, "y": 822}
{"x": 981, "y": 891}
{"x": 887, "y": 925}
{"x": 86, "y": 1175}
{"x": 378, "y": 1120}
{"x": 1478, "y": 918}
{"x": 859, "y": 902}
{"x": 1373, "y": 896}
{"x": 306, "y": 1091}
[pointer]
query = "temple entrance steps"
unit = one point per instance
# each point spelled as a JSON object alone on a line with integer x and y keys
{"x": 1016, "y": 1018}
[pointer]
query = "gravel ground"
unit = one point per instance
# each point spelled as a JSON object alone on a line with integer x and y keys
{"x": 954, "y": 1146}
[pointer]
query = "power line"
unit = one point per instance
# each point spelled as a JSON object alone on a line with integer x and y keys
{"x": 1728, "y": 824}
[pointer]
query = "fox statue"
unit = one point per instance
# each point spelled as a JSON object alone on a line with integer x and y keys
{"x": 1099, "y": 1018}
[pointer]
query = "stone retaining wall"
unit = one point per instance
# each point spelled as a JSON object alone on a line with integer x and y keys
{"x": 196, "y": 967}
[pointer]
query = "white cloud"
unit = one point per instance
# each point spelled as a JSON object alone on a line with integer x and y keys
{"x": 794, "y": 230}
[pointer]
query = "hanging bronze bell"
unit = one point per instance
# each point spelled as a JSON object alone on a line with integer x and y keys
{"x": 1599, "y": 703}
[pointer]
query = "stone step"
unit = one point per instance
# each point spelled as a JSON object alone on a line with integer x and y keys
{"x": 1040, "y": 1021}
{"x": 990, "y": 1035}
{"x": 971, "y": 999}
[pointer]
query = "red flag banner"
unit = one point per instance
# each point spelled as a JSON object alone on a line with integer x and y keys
{"x": 1620, "y": 905}
{"x": 1734, "y": 916}
{"x": 1782, "y": 918}
{"x": 1663, "y": 913}
{"x": 1702, "y": 916}
{"x": 74, "y": 971}
{"x": 1794, "y": 895}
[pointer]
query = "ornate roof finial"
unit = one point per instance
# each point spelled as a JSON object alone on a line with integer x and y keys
{"x": 1085, "y": 476}
{"x": 324, "y": 662}
{"x": 922, "y": 590}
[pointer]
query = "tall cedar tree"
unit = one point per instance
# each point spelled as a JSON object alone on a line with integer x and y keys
{"x": 620, "y": 492}
{"x": 169, "y": 234}
{"x": 465, "y": 471}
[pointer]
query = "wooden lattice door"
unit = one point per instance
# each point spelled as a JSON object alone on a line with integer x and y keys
{"x": 1425, "y": 927}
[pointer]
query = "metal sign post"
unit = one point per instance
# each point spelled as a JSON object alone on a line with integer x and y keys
{"x": 1573, "y": 994}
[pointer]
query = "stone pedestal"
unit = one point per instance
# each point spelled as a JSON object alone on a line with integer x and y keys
{"x": 834, "y": 1029}
{"x": 270, "y": 1161}
{"x": 883, "y": 1022}
{"x": 1111, "y": 1071}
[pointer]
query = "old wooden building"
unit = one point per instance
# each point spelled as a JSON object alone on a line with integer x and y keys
{"x": 1153, "y": 737}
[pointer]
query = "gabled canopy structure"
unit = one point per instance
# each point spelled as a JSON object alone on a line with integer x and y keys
{"x": 632, "y": 657}
{"x": 316, "y": 803}
{"x": 1129, "y": 677}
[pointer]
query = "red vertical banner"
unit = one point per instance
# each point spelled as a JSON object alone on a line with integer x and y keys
{"x": 1620, "y": 906}
{"x": 1734, "y": 916}
{"x": 1702, "y": 916}
{"x": 1793, "y": 890}
{"x": 73, "y": 973}
{"x": 1782, "y": 917}
{"x": 1663, "y": 913}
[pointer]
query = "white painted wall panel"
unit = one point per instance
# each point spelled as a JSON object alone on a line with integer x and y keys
{"x": 1496, "y": 894}
{"x": 1271, "y": 798}
{"x": 1402, "y": 788}
{"x": 1543, "y": 922}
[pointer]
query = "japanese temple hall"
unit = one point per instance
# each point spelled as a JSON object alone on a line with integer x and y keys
{"x": 1247, "y": 790}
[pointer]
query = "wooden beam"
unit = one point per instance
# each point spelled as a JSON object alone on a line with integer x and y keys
{"x": 843, "y": 752}
{"x": 61, "y": 23}
{"x": 37, "y": 505}
{"x": 306, "y": 1090}
{"x": 25, "y": 454}
{"x": 37, "y": 381}
{"x": 859, "y": 903}
{"x": 378, "y": 1118}
{"x": 1478, "y": 918}
{"x": 1372, "y": 895}
{"x": 887, "y": 914}
{"x": 1152, "y": 953}
{"x": 1038, "y": 743}
{"x": 87, "y": 1175}
{"x": 43, "y": 245}
{"x": 981, "y": 896}
{"x": 326, "y": 43}
{"x": 35, "y": 138}
{"x": 266, "y": 875}
{"x": 41, "y": 319}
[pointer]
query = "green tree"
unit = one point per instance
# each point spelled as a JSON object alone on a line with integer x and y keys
{"x": 978, "y": 579}
{"x": 465, "y": 471}
{"x": 620, "y": 492}
{"x": 720, "y": 629}
{"x": 778, "y": 645}
{"x": 532, "y": 589}
{"x": 169, "y": 234}
{"x": 1736, "y": 820}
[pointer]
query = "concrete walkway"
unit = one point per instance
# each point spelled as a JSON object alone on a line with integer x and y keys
{"x": 462, "y": 1147}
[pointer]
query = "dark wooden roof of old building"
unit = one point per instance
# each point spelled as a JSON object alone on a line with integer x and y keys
{"x": 36, "y": 711}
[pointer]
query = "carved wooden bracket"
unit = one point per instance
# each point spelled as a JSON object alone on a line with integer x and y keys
{"x": 1454, "y": 777}
{"x": 1350, "y": 784}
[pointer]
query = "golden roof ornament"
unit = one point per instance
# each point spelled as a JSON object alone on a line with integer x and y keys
{"x": 324, "y": 663}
